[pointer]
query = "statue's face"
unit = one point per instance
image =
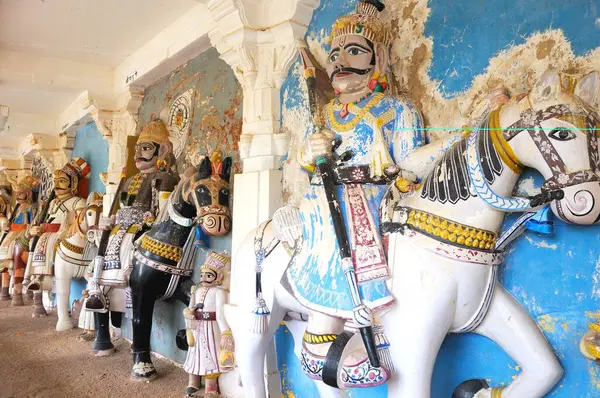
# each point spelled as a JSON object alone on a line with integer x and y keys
{"x": 22, "y": 196}
{"x": 208, "y": 278}
{"x": 351, "y": 63}
{"x": 62, "y": 183}
{"x": 146, "y": 155}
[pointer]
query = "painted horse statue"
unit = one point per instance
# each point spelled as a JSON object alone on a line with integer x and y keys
{"x": 5, "y": 214}
{"x": 165, "y": 254}
{"x": 75, "y": 252}
{"x": 142, "y": 196}
{"x": 14, "y": 250}
{"x": 50, "y": 230}
{"x": 442, "y": 241}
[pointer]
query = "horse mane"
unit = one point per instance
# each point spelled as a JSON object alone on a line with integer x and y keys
{"x": 449, "y": 179}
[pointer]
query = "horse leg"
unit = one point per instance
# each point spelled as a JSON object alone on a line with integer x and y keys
{"x": 116, "y": 319}
{"x": 512, "y": 328}
{"x": 4, "y": 294}
{"x": 147, "y": 285}
{"x": 251, "y": 349}
{"x": 63, "y": 290}
{"x": 416, "y": 327}
{"x": 19, "y": 264}
{"x": 102, "y": 344}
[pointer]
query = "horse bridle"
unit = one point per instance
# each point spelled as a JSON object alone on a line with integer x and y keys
{"x": 532, "y": 122}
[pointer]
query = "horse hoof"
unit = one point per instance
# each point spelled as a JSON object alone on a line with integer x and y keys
{"x": 17, "y": 300}
{"x": 64, "y": 326}
{"x": 143, "y": 371}
{"x": 468, "y": 389}
{"x": 105, "y": 353}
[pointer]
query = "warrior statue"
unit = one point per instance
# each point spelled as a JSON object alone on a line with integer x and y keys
{"x": 374, "y": 137}
{"x": 14, "y": 250}
{"x": 5, "y": 210}
{"x": 210, "y": 341}
{"x": 65, "y": 204}
{"x": 142, "y": 198}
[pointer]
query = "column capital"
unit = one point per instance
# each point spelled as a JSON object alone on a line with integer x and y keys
{"x": 260, "y": 39}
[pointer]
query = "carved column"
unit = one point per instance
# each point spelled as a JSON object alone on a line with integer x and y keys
{"x": 259, "y": 39}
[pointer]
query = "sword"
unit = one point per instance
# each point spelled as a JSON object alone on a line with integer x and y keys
{"x": 361, "y": 313}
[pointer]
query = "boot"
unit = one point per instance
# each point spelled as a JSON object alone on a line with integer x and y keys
{"x": 4, "y": 293}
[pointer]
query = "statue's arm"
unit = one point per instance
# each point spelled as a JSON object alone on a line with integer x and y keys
{"x": 421, "y": 160}
{"x": 221, "y": 299}
{"x": 410, "y": 148}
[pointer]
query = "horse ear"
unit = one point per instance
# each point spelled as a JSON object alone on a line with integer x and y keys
{"x": 588, "y": 89}
{"x": 547, "y": 87}
{"x": 205, "y": 169}
{"x": 226, "y": 169}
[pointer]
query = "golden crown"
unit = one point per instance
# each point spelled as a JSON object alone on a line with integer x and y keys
{"x": 365, "y": 22}
{"x": 155, "y": 131}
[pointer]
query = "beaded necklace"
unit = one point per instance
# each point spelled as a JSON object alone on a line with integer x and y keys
{"x": 359, "y": 115}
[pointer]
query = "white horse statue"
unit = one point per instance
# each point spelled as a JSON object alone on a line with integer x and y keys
{"x": 74, "y": 255}
{"x": 442, "y": 252}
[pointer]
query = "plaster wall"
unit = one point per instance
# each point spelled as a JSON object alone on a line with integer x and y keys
{"x": 446, "y": 57}
{"x": 216, "y": 122}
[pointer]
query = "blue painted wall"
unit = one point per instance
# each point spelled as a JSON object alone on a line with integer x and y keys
{"x": 555, "y": 278}
{"x": 91, "y": 146}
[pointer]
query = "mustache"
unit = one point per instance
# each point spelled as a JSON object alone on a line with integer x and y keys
{"x": 356, "y": 71}
{"x": 143, "y": 159}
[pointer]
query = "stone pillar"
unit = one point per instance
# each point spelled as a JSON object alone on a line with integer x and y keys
{"x": 115, "y": 126}
{"x": 260, "y": 41}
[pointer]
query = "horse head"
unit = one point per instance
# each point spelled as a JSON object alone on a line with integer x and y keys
{"x": 91, "y": 220}
{"x": 208, "y": 191}
{"x": 555, "y": 131}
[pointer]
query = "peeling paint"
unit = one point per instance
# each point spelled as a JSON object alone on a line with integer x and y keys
{"x": 541, "y": 244}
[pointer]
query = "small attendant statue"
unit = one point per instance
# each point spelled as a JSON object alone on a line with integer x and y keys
{"x": 210, "y": 341}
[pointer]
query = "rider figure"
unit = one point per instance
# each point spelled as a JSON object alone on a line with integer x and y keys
{"x": 65, "y": 204}
{"x": 15, "y": 247}
{"x": 377, "y": 133}
{"x": 143, "y": 196}
{"x": 5, "y": 210}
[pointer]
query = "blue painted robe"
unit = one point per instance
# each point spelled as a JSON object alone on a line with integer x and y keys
{"x": 387, "y": 133}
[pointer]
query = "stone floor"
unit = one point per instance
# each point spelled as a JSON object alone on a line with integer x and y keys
{"x": 38, "y": 362}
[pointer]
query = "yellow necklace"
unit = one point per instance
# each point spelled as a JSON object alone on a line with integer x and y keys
{"x": 359, "y": 113}
{"x": 135, "y": 184}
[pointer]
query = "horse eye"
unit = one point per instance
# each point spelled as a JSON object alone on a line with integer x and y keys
{"x": 89, "y": 213}
{"x": 224, "y": 192}
{"x": 562, "y": 135}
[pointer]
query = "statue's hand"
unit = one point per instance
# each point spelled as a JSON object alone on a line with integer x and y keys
{"x": 318, "y": 144}
{"x": 227, "y": 342}
{"x": 107, "y": 223}
{"x": 36, "y": 231}
{"x": 188, "y": 313}
{"x": 404, "y": 185}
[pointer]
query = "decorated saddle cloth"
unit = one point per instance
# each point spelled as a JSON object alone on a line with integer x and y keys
{"x": 43, "y": 256}
{"x": 117, "y": 261}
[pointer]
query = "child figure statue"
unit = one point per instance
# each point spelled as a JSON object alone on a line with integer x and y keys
{"x": 210, "y": 341}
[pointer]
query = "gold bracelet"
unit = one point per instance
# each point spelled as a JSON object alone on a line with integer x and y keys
{"x": 226, "y": 332}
